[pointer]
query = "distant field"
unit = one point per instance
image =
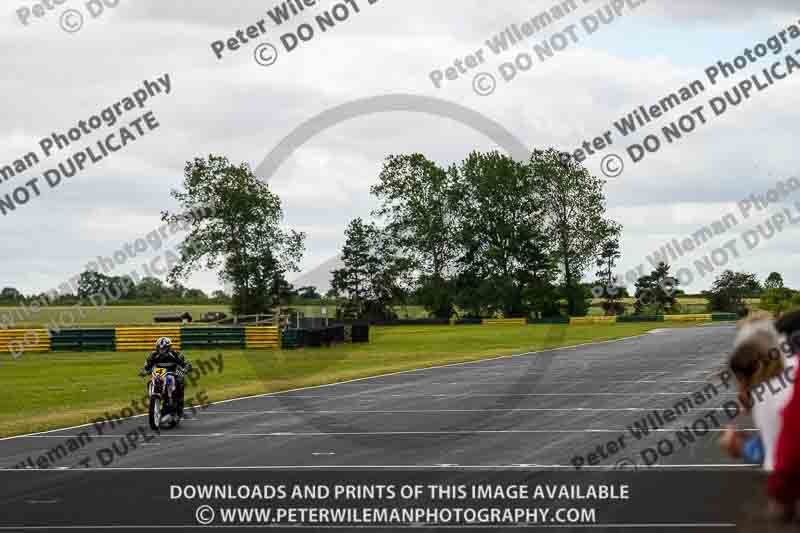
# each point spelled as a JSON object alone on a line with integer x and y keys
{"x": 109, "y": 316}
{"x": 143, "y": 315}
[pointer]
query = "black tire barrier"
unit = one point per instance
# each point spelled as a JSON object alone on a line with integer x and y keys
{"x": 360, "y": 333}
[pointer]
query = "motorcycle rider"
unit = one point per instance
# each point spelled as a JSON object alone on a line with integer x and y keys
{"x": 165, "y": 356}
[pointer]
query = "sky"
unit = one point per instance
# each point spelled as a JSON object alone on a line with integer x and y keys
{"x": 82, "y": 57}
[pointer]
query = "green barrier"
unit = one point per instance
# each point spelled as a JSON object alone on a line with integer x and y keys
{"x": 83, "y": 340}
{"x": 212, "y": 337}
{"x": 718, "y": 317}
{"x": 640, "y": 318}
{"x": 551, "y": 320}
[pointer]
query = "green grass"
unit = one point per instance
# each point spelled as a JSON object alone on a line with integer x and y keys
{"x": 44, "y": 391}
{"x": 108, "y": 316}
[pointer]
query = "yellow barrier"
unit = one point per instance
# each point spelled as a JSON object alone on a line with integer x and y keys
{"x": 593, "y": 320}
{"x": 504, "y": 322}
{"x": 137, "y": 339}
{"x": 24, "y": 340}
{"x": 262, "y": 337}
{"x": 688, "y": 318}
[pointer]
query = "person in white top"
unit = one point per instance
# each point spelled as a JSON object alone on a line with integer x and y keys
{"x": 765, "y": 380}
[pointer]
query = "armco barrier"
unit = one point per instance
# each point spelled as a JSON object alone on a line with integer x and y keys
{"x": 24, "y": 340}
{"x": 292, "y": 339}
{"x": 212, "y": 338}
{"x": 138, "y": 339}
{"x": 412, "y": 322}
{"x": 504, "y": 322}
{"x": 640, "y": 318}
{"x": 83, "y": 340}
{"x": 705, "y": 317}
{"x": 549, "y": 320}
{"x": 580, "y": 320}
{"x": 262, "y": 337}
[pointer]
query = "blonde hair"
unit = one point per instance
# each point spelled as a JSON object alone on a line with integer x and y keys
{"x": 756, "y": 353}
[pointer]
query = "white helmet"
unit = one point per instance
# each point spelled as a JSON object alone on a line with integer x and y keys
{"x": 164, "y": 343}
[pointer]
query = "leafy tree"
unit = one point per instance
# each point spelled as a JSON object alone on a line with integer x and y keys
{"x": 575, "y": 209}
{"x": 91, "y": 282}
{"x": 241, "y": 232}
{"x": 373, "y": 272}
{"x": 308, "y": 293}
{"x": 656, "y": 291}
{"x": 150, "y": 290}
{"x": 779, "y": 300}
{"x": 10, "y": 295}
{"x": 774, "y": 281}
{"x": 729, "y": 290}
{"x": 505, "y": 261}
{"x": 220, "y": 297}
{"x": 332, "y": 294}
{"x": 608, "y": 286}
{"x": 420, "y": 203}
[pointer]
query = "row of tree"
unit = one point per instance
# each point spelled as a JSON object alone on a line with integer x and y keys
{"x": 489, "y": 236}
{"x": 119, "y": 289}
{"x": 657, "y": 293}
{"x": 149, "y": 291}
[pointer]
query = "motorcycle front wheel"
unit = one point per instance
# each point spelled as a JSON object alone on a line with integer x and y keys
{"x": 154, "y": 413}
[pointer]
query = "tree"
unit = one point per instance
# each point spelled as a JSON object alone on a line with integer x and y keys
{"x": 10, "y": 295}
{"x": 372, "y": 274}
{"x": 150, "y": 290}
{"x": 332, "y": 294}
{"x": 91, "y": 283}
{"x": 608, "y": 286}
{"x": 575, "y": 209}
{"x": 655, "y": 292}
{"x": 220, "y": 297}
{"x": 779, "y": 300}
{"x": 729, "y": 290}
{"x": 420, "y": 203}
{"x": 505, "y": 262}
{"x": 241, "y": 231}
{"x": 773, "y": 281}
{"x": 308, "y": 293}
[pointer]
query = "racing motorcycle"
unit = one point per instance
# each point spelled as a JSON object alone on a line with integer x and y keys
{"x": 161, "y": 388}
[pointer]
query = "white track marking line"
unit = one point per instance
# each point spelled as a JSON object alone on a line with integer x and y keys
{"x": 480, "y": 361}
{"x": 484, "y": 395}
{"x": 433, "y": 411}
{"x": 388, "y": 433}
{"x": 511, "y": 394}
{"x": 738, "y": 466}
{"x": 576, "y": 381}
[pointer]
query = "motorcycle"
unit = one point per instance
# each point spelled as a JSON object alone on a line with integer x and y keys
{"x": 163, "y": 408}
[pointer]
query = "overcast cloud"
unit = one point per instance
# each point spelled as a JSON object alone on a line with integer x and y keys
{"x": 51, "y": 79}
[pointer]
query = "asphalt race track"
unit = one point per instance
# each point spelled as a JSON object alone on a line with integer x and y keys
{"x": 527, "y": 412}
{"x": 534, "y": 410}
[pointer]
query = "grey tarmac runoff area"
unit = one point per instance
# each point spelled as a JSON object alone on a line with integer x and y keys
{"x": 532, "y": 412}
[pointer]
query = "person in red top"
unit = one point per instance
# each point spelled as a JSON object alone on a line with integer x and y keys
{"x": 783, "y": 484}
